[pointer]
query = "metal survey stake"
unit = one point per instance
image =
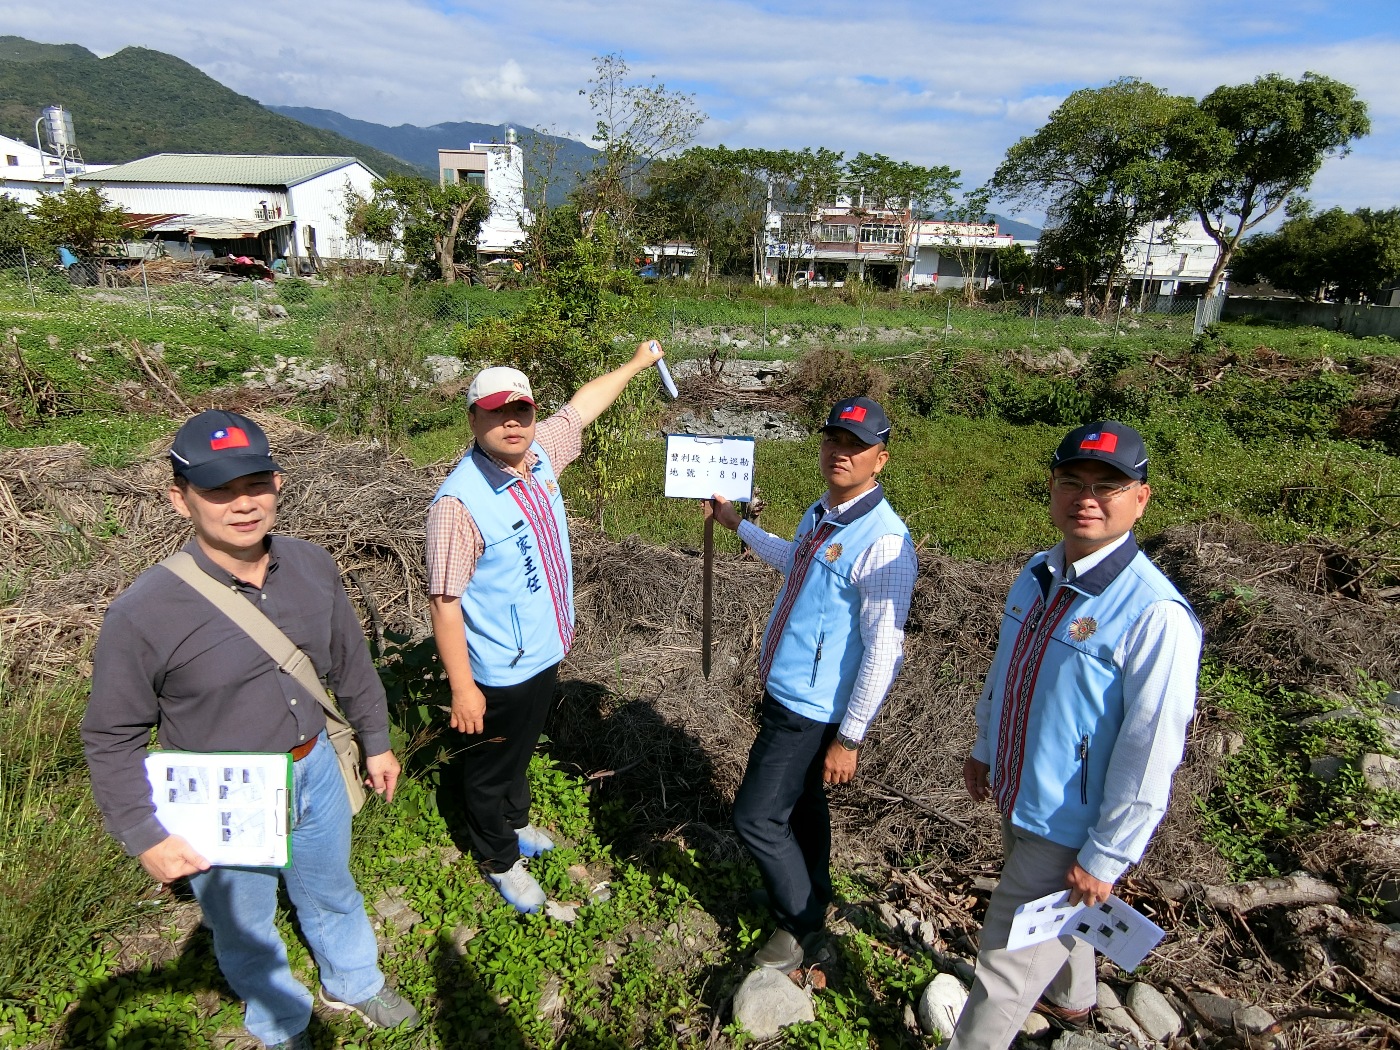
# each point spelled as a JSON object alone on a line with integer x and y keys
{"x": 707, "y": 594}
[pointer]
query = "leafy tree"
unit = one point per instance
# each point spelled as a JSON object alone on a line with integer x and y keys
{"x": 435, "y": 226}
{"x": 1246, "y": 150}
{"x": 713, "y": 198}
{"x": 637, "y": 124}
{"x": 971, "y": 211}
{"x": 80, "y": 219}
{"x": 899, "y": 186}
{"x": 16, "y": 228}
{"x": 1100, "y": 166}
{"x": 1332, "y": 253}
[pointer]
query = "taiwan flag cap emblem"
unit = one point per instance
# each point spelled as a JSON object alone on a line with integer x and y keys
{"x": 862, "y": 417}
{"x": 214, "y": 447}
{"x": 1106, "y": 441}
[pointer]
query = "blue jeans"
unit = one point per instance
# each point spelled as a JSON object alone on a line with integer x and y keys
{"x": 240, "y": 906}
{"x": 780, "y": 813}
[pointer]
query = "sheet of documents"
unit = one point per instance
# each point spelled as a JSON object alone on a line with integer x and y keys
{"x": 698, "y": 467}
{"x": 233, "y": 808}
{"x": 1116, "y": 929}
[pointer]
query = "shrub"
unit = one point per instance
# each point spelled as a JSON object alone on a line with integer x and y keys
{"x": 821, "y": 377}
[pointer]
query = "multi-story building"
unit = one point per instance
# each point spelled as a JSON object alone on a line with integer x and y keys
{"x": 499, "y": 168}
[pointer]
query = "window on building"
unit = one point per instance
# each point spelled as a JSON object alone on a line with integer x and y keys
{"x": 12, "y": 160}
{"x": 841, "y": 233}
{"x": 871, "y": 233}
{"x": 449, "y": 176}
{"x": 473, "y": 178}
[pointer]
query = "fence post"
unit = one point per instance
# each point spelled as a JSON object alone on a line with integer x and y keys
{"x": 1035, "y": 319}
{"x": 257, "y": 309}
{"x": 673, "y": 320}
{"x": 146, "y": 285}
{"x": 469, "y": 314}
{"x": 947, "y": 319}
{"x": 1118, "y": 319}
{"x": 29, "y": 281}
{"x": 764, "y": 342}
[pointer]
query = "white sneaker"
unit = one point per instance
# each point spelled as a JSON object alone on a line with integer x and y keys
{"x": 519, "y": 887}
{"x": 533, "y": 841}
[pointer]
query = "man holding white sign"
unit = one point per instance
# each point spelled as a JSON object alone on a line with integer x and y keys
{"x": 830, "y": 653}
{"x": 500, "y": 581}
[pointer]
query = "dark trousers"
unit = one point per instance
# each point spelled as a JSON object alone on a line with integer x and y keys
{"x": 780, "y": 813}
{"x": 495, "y": 789}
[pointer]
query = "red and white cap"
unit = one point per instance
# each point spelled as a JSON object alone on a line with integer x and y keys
{"x": 494, "y": 387}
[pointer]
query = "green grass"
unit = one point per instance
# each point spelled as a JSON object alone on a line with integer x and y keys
{"x": 1267, "y": 801}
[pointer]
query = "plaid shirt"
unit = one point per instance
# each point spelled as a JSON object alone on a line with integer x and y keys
{"x": 454, "y": 542}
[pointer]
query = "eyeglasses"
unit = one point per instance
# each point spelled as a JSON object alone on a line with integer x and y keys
{"x": 1102, "y": 490}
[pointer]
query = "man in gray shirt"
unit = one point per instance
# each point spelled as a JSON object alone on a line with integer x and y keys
{"x": 168, "y": 658}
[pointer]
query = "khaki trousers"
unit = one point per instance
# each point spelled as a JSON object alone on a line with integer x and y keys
{"x": 1008, "y": 983}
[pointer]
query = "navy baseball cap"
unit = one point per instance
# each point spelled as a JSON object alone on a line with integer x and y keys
{"x": 214, "y": 447}
{"x": 862, "y": 417}
{"x": 1105, "y": 441}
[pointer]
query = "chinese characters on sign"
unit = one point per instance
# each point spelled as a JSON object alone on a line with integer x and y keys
{"x": 698, "y": 467}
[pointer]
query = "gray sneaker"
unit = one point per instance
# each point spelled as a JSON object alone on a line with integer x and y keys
{"x": 783, "y": 952}
{"x": 300, "y": 1041}
{"x": 386, "y": 1008}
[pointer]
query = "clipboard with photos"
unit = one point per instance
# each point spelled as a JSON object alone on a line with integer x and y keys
{"x": 233, "y": 808}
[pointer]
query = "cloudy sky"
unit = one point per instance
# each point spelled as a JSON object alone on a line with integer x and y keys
{"x": 945, "y": 83}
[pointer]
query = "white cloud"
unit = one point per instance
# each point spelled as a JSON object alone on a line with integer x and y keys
{"x": 928, "y": 83}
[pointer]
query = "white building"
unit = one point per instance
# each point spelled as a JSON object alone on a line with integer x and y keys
{"x": 499, "y": 168}
{"x": 1170, "y": 260}
{"x": 940, "y": 251}
{"x": 291, "y": 206}
{"x": 28, "y": 172}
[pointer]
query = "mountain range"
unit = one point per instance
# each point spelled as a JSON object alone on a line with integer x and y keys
{"x": 138, "y": 102}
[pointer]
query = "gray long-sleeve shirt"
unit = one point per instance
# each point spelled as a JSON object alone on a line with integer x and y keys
{"x": 167, "y": 658}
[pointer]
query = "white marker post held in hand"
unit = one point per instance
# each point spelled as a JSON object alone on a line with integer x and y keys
{"x": 666, "y": 380}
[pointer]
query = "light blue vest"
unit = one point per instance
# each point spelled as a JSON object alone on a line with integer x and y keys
{"x": 1056, "y": 701}
{"x": 519, "y": 605}
{"x": 816, "y": 629}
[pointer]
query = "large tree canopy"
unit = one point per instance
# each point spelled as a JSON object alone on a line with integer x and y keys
{"x": 1329, "y": 254}
{"x": 1099, "y": 166}
{"x": 1244, "y": 151}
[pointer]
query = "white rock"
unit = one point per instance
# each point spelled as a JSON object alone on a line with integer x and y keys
{"x": 1152, "y": 1011}
{"x": 1034, "y": 1026}
{"x": 566, "y": 913}
{"x": 941, "y": 1005}
{"x": 1381, "y": 772}
{"x": 768, "y": 1001}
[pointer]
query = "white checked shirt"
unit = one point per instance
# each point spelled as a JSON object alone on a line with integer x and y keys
{"x": 884, "y": 574}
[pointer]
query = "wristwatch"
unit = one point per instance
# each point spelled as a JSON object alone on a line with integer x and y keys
{"x": 847, "y": 742}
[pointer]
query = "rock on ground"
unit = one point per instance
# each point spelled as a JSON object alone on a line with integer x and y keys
{"x": 768, "y": 1001}
{"x": 941, "y": 1005}
{"x": 1152, "y": 1011}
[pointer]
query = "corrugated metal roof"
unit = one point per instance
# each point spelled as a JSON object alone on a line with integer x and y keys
{"x": 220, "y": 169}
{"x": 206, "y": 227}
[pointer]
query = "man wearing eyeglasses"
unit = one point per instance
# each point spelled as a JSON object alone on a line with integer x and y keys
{"x": 1080, "y": 726}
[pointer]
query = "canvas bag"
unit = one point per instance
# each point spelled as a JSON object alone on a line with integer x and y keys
{"x": 289, "y": 659}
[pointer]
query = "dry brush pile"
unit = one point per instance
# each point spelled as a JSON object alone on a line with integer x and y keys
{"x": 637, "y": 716}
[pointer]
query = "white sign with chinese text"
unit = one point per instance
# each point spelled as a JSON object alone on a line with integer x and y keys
{"x": 698, "y": 467}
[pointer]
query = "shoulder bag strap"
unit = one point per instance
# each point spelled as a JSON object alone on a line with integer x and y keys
{"x": 284, "y": 652}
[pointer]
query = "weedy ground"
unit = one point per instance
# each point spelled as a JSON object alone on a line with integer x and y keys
{"x": 1273, "y": 447}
